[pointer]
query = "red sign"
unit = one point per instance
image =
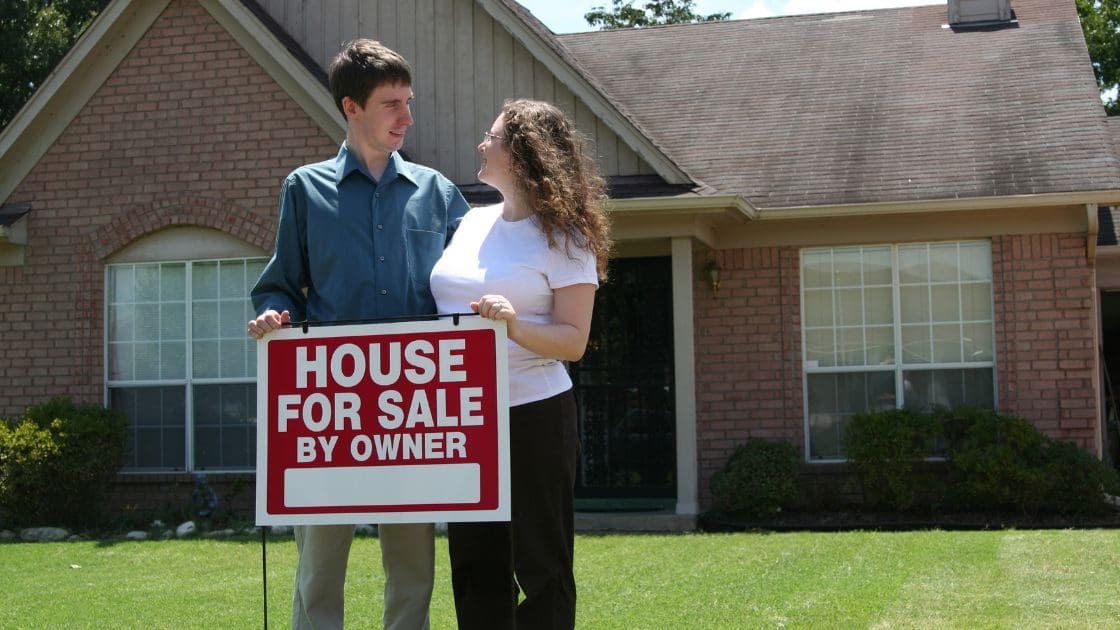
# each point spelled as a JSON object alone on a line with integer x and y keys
{"x": 383, "y": 423}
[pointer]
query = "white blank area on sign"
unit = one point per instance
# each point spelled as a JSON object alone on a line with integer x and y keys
{"x": 440, "y": 484}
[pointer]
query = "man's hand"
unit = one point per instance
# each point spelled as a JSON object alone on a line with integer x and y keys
{"x": 269, "y": 321}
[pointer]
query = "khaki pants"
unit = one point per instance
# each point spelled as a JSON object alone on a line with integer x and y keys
{"x": 408, "y": 559}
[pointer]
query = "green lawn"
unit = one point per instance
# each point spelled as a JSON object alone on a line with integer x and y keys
{"x": 932, "y": 579}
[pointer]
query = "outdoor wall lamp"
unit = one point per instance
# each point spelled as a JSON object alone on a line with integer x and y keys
{"x": 711, "y": 272}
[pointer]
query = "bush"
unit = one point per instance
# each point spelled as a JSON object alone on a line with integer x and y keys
{"x": 1075, "y": 481}
{"x": 960, "y": 459}
{"x": 759, "y": 479}
{"x": 56, "y": 462}
{"x": 996, "y": 461}
{"x": 884, "y": 448}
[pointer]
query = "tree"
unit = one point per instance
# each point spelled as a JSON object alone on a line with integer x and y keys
{"x": 36, "y": 35}
{"x": 623, "y": 14}
{"x": 1100, "y": 21}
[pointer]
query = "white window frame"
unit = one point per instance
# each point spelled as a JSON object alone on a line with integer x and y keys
{"x": 190, "y": 381}
{"x": 898, "y": 366}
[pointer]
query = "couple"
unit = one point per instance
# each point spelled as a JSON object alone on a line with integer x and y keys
{"x": 368, "y": 235}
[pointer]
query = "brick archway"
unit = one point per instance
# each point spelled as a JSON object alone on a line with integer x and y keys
{"x": 222, "y": 215}
{"x": 86, "y": 334}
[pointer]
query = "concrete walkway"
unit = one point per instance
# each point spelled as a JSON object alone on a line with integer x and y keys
{"x": 643, "y": 521}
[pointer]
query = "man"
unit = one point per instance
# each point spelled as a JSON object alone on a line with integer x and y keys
{"x": 357, "y": 239}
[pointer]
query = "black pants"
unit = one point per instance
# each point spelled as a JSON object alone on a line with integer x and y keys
{"x": 532, "y": 554}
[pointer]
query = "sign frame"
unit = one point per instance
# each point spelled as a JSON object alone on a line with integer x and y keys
{"x": 333, "y": 495}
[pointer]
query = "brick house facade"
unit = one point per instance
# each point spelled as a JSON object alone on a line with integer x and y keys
{"x": 197, "y": 117}
{"x": 1045, "y": 323}
{"x": 128, "y": 166}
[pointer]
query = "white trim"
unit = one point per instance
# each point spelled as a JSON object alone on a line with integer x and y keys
{"x": 684, "y": 367}
{"x": 1103, "y": 197}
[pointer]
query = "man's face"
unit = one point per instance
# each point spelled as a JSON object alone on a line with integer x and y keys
{"x": 382, "y": 123}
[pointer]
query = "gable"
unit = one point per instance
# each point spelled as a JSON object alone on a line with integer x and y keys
{"x": 106, "y": 43}
{"x": 186, "y": 130}
{"x": 465, "y": 64}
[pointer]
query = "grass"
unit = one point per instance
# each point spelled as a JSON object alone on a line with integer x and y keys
{"x": 927, "y": 579}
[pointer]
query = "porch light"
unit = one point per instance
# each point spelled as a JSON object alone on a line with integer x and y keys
{"x": 711, "y": 272}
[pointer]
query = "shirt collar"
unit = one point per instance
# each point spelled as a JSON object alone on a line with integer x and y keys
{"x": 347, "y": 162}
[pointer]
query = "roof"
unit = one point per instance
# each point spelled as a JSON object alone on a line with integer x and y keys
{"x": 865, "y": 107}
{"x": 542, "y": 44}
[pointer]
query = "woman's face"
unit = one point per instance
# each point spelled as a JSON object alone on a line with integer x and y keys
{"x": 495, "y": 167}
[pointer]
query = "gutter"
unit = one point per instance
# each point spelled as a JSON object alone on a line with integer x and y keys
{"x": 735, "y": 207}
{"x": 1108, "y": 197}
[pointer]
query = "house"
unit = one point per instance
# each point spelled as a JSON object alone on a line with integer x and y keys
{"x": 815, "y": 215}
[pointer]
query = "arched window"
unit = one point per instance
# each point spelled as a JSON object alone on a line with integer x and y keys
{"x": 178, "y": 362}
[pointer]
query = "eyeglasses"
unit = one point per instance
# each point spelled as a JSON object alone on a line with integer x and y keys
{"x": 486, "y": 135}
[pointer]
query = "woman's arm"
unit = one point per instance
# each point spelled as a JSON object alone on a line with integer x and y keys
{"x": 565, "y": 338}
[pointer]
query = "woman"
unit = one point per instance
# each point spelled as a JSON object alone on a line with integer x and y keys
{"x": 533, "y": 261}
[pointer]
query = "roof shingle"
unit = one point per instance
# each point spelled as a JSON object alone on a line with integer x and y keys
{"x": 863, "y": 107}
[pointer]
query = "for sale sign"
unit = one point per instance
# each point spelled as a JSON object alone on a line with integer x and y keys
{"x": 383, "y": 423}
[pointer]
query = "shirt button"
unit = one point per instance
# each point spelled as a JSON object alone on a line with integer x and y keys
{"x": 381, "y": 258}
{"x": 379, "y": 226}
{"x": 377, "y": 194}
{"x": 384, "y": 292}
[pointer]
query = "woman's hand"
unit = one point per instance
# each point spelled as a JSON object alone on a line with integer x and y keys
{"x": 565, "y": 338}
{"x": 496, "y": 307}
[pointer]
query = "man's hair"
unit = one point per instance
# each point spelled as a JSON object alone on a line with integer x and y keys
{"x": 361, "y": 66}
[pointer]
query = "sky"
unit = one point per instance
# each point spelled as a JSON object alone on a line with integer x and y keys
{"x": 566, "y": 16}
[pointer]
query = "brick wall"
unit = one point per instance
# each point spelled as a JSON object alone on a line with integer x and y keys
{"x": 1045, "y": 322}
{"x": 748, "y": 355}
{"x": 188, "y": 130}
{"x": 748, "y": 345}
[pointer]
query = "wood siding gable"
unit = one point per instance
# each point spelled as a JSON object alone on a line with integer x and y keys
{"x": 465, "y": 64}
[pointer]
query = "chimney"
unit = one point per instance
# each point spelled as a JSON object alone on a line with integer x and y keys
{"x": 979, "y": 12}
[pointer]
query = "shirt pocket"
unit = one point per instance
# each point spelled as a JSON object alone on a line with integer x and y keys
{"x": 423, "y": 248}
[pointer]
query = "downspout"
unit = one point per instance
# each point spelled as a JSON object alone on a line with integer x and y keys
{"x": 1092, "y": 230}
{"x": 1094, "y": 226}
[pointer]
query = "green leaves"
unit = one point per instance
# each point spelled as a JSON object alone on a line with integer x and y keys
{"x": 36, "y": 35}
{"x": 623, "y": 14}
{"x": 1100, "y": 21}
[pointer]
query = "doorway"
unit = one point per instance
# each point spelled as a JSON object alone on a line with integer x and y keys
{"x": 624, "y": 385}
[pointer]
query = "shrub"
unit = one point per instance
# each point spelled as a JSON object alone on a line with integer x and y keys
{"x": 56, "y": 462}
{"x": 1075, "y": 480}
{"x": 995, "y": 460}
{"x": 759, "y": 478}
{"x": 884, "y": 447}
{"x": 1002, "y": 461}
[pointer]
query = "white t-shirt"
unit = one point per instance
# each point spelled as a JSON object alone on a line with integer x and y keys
{"x": 491, "y": 256}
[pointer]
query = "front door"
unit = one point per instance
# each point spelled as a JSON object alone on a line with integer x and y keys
{"x": 624, "y": 385}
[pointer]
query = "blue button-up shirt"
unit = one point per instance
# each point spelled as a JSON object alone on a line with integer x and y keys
{"x": 360, "y": 248}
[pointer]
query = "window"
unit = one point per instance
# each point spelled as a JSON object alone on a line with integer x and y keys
{"x": 180, "y": 365}
{"x": 894, "y": 326}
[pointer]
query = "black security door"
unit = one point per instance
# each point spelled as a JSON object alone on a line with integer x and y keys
{"x": 624, "y": 385}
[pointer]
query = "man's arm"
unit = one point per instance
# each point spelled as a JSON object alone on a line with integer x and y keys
{"x": 278, "y": 295}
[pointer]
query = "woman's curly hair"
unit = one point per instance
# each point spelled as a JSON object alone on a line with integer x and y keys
{"x": 560, "y": 182}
